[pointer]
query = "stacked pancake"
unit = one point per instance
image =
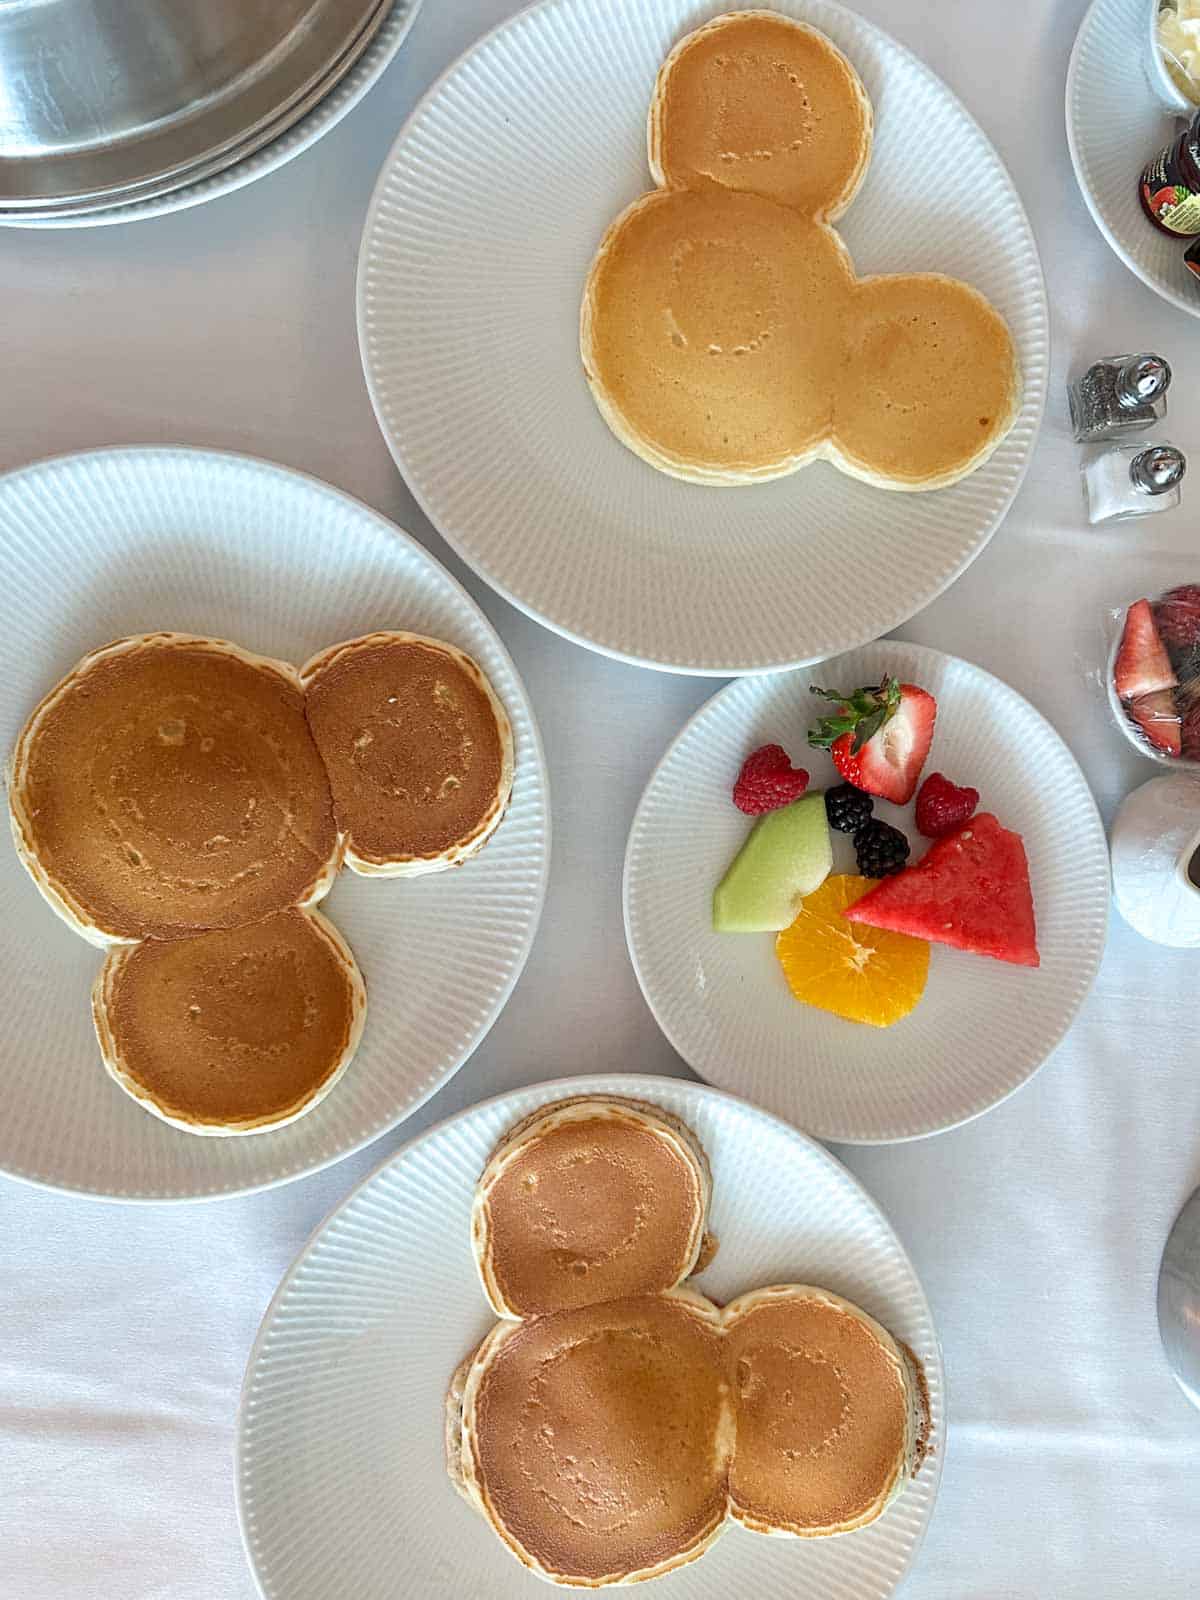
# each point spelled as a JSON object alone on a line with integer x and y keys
{"x": 611, "y": 1427}
{"x": 723, "y": 332}
{"x": 185, "y": 803}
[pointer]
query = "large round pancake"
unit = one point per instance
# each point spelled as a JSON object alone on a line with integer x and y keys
{"x": 931, "y": 383}
{"x": 169, "y": 784}
{"x": 758, "y": 102}
{"x": 711, "y": 333}
{"x": 827, "y": 1423}
{"x": 589, "y": 1199}
{"x": 418, "y": 747}
{"x": 596, "y": 1441}
{"x": 235, "y": 1030}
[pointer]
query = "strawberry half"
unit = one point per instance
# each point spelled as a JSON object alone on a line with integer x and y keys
{"x": 879, "y": 737}
{"x": 1143, "y": 665}
{"x": 1158, "y": 718}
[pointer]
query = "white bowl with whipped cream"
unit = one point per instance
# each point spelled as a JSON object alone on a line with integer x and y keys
{"x": 1174, "y": 53}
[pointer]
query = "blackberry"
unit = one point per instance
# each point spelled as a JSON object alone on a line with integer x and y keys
{"x": 880, "y": 848}
{"x": 847, "y": 808}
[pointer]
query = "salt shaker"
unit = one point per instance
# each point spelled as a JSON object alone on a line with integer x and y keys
{"x": 1118, "y": 395}
{"x": 1132, "y": 480}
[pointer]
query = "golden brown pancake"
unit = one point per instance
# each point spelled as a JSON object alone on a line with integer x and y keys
{"x": 826, "y": 1412}
{"x": 235, "y": 1030}
{"x": 170, "y": 784}
{"x": 418, "y": 747}
{"x": 723, "y": 333}
{"x": 590, "y": 1199}
{"x": 711, "y": 333}
{"x": 596, "y": 1441}
{"x": 756, "y": 102}
{"x": 931, "y": 383}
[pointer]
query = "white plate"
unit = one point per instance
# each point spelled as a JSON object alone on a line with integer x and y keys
{"x": 342, "y": 1484}
{"x": 346, "y": 94}
{"x": 484, "y": 222}
{"x": 982, "y": 1027}
{"x": 1115, "y": 124}
{"x": 123, "y": 541}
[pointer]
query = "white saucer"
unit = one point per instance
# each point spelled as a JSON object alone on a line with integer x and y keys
{"x": 484, "y": 222}
{"x": 128, "y": 541}
{"x": 342, "y": 1484}
{"x": 1115, "y": 123}
{"x": 982, "y": 1027}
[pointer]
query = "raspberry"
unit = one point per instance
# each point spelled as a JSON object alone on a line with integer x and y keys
{"x": 942, "y": 806}
{"x": 767, "y": 781}
{"x": 1177, "y": 616}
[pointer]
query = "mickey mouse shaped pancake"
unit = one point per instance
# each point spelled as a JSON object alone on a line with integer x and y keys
{"x": 724, "y": 333}
{"x": 616, "y": 1421}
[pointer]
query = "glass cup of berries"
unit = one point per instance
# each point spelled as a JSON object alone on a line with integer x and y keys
{"x": 1153, "y": 675}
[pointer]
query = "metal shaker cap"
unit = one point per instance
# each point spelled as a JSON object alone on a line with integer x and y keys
{"x": 1157, "y": 468}
{"x": 1142, "y": 379}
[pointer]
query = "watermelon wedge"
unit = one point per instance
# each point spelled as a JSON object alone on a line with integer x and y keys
{"x": 970, "y": 890}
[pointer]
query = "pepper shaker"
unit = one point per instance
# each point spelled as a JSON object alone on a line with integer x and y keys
{"x": 1118, "y": 395}
{"x": 1133, "y": 480}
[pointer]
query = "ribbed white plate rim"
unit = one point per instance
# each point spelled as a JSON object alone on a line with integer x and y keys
{"x": 341, "y": 100}
{"x": 640, "y": 1086}
{"x": 538, "y": 769}
{"x": 462, "y": 547}
{"x": 1135, "y": 42}
{"x": 712, "y": 707}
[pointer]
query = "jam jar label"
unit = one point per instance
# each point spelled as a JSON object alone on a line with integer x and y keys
{"x": 1171, "y": 203}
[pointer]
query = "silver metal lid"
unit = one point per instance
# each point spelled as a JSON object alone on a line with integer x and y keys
{"x": 1142, "y": 379}
{"x": 1157, "y": 468}
{"x": 104, "y": 102}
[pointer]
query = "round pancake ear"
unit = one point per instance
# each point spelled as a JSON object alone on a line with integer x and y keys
{"x": 278, "y": 1006}
{"x": 593, "y": 1199}
{"x": 764, "y": 105}
{"x": 930, "y": 386}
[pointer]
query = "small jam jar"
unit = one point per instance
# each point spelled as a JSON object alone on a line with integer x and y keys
{"x": 1169, "y": 187}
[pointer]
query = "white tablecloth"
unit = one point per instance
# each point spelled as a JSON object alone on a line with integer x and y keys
{"x": 1073, "y": 1462}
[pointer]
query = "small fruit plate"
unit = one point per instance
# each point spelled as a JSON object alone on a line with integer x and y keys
{"x": 982, "y": 1027}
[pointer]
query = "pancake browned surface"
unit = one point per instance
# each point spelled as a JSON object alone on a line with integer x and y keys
{"x": 170, "y": 784}
{"x": 596, "y": 1441}
{"x": 931, "y": 383}
{"x": 711, "y": 333}
{"x": 234, "y": 1030}
{"x": 827, "y": 1424}
{"x": 590, "y": 1199}
{"x": 723, "y": 333}
{"x": 419, "y": 751}
{"x": 756, "y": 102}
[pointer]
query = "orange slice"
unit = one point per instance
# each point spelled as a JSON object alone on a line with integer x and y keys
{"x": 860, "y": 973}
